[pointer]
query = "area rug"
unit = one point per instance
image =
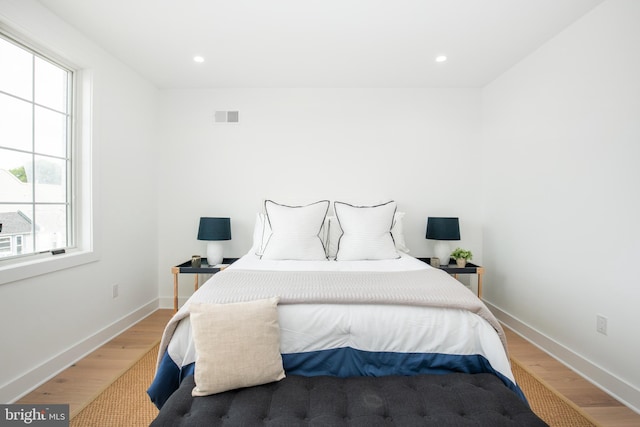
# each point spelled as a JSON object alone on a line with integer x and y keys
{"x": 125, "y": 402}
{"x": 555, "y": 409}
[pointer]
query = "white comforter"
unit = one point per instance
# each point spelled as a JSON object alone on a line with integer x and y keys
{"x": 370, "y": 327}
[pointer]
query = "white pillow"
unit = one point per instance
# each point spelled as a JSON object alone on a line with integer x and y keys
{"x": 261, "y": 233}
{"x": 295, "y": 231}
{"x": 366, "y": 232}
{"x": 334, "y": 232}
{"x": 397, "y": 232}
{"x": 237, "y": 345}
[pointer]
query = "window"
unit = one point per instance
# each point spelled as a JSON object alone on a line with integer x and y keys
{"x": 5, "y": 245}
{"x": 18, "y": 247}
{"x": 36, "y": 105}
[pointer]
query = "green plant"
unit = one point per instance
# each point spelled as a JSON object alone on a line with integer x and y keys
{"x": 460, "y": 253}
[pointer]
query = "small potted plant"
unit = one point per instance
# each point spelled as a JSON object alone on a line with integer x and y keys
{"x": 461, "y": 256}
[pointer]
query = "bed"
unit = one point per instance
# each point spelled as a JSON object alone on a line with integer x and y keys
{"x": 370, "y": 311}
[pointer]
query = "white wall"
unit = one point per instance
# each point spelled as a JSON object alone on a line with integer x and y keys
{"x": 49, "y": 320}
{"x": 535, "y": 193}
{"x": 561, "y": 188}
{"x": 419, "y": 147}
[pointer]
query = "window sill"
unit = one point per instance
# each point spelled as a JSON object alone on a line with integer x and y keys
{"x": 48, "y": 264}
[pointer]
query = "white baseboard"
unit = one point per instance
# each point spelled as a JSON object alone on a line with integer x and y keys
{"x": 14, "y": 390}
{"x": 167, "y": 302}
{"x": 610, "y": 383}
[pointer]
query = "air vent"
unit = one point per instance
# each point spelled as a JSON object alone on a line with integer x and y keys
{"x": 227, "y": 117}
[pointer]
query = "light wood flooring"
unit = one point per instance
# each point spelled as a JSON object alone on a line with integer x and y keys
{"x": 86, "y": 379}
{"x": 82, "y": 382}
{"x": 595, "y": 402}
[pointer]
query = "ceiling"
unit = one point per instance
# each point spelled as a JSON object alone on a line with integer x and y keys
{"x": 320, "y": 43}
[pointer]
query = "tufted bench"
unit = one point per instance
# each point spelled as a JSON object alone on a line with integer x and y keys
{"x": 421, "y": 400}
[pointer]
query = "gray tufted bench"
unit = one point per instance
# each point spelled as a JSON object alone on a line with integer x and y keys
{"x": 421, "y": 400}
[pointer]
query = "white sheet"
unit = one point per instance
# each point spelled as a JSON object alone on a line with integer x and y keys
{"x": 405, "y": 263}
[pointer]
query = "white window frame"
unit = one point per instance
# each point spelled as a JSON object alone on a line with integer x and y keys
{"x": 85, "y": 248}
{"x": 18, "y": 242}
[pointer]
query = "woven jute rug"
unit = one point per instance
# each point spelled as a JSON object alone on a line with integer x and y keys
{"x": 555, "y": 409}
{"x": 125, "y": 402}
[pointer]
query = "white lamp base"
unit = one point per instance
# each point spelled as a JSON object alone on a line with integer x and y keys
{"x": 214, "y": 253}
{"x": 443, "y": 251}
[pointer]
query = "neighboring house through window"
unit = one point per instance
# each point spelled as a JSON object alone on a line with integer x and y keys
{"x": 16, "y": 228}
{"x": 36, "y": 102}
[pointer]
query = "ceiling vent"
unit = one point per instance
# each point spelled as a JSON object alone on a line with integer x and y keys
{"x": 227, "y": 117}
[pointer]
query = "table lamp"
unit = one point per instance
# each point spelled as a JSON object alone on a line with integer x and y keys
{"x": 443, "y": 229}
{"x": 213, "y": 230}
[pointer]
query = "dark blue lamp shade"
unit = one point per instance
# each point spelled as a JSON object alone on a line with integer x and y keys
{"x": 443, "y": 228}
{"x": 214, "y": 229}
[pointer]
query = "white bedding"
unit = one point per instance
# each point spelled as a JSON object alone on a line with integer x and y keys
{"x": 182, "y": 350}
{"x": 406, "y": 262}
{"x": 371, "y": 327}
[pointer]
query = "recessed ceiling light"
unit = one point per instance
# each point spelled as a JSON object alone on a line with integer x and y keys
{"x": 198, "y": 59}
{"x": 441, "y": 58}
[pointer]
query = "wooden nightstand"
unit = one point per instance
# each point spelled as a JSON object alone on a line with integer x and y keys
{"x": 454, "y": 270}
{"x": 186, "y": 268}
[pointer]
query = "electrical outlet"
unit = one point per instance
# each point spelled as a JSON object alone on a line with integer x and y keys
{"x": 114, "y": 291}
{"x": 601, "y": 324}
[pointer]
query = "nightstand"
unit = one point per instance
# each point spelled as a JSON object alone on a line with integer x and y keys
{"x": 186, "y": 268}
{"x": 454, "y": 270}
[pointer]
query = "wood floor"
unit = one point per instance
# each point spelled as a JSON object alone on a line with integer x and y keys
{"x": 595, "y": 402}
{"x": 82, "y": 382}
{"x": 86, "y": 379}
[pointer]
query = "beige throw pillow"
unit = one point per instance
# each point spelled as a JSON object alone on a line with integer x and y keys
{"x": 237, "y": 345}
